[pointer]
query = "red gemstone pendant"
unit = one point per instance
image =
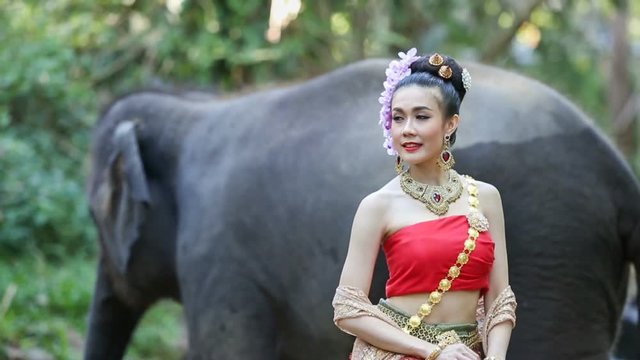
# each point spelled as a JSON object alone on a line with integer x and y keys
{"x": 446, "y": 156}
{"x": 437, "y": 197}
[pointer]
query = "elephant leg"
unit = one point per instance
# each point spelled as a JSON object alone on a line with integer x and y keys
{"x": 233, "y": 319}
{"x": 111, "y": 321}
{"x": 632, "y": 321}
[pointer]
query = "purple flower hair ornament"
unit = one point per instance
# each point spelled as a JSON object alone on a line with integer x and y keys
{"x": 397, "y": 70}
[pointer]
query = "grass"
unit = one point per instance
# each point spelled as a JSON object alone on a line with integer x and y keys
{"x": 44, "y": 307}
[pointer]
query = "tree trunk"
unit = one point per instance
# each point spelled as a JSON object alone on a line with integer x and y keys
{"x": 501, "y": 42}
{"x": 359, "y": 29}
{"x": 379, "y": 27}
{"x": 623, "y": 103}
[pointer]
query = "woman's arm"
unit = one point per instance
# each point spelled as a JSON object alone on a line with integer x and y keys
{"x": 499, "y": 336}
{"x": 366, "y": 235}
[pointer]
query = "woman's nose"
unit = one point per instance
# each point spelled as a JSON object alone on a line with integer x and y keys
{"x": 408, "y": 128}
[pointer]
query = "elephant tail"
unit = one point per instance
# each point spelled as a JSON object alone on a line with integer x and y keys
{"x": 132, "y": 204}
{"x": 131, "y": 191}
{"x": 118, "y": 195}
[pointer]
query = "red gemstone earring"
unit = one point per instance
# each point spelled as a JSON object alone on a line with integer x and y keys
{"x": 445, "y": 160}
{"x": 399, "y": 167}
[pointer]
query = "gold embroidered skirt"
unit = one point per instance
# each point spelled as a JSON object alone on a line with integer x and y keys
{"x": 468, "y": 333}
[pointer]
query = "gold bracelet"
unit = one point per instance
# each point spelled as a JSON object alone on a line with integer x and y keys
{"x": 435, "y": 353}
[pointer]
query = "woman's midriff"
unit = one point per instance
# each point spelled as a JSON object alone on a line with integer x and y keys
{"x": 456, "y": 307}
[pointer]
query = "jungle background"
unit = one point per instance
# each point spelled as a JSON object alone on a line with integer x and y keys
{"x": 62, "y": 61}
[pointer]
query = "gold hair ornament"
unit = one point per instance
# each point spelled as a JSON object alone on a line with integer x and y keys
{"x": 445, "y": 72}
{"x": 436, "y": 59}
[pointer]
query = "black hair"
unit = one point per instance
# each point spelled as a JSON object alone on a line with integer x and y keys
{"x": 426, "y": 75}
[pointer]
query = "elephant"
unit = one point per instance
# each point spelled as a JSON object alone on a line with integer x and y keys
{"x": 240, "y": 208}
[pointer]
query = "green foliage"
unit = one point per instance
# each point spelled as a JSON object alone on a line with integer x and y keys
{"x": 49, "y": 309}
{"x": 161, "y": 334}
{"x": 49, "y": 306}
{"x": 60, "y": 61}
{"x": 42, "y": 204}
{"x": 46, "y": 108}
{"x": 572, "y": 61}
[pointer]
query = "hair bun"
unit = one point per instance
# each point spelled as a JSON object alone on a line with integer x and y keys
{"x": 445, "y": 68}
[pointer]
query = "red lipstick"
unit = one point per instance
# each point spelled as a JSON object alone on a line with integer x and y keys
{"x": 411, "y": 146}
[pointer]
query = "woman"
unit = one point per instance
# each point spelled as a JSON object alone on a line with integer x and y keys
{"x": 433, "y": 225}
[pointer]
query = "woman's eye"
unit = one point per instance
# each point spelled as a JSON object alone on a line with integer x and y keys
{"x": 422, "y": 117}
{"x": 397, "y": 118}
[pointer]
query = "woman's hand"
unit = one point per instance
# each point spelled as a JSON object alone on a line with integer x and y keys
{"x": 458, "y": 352}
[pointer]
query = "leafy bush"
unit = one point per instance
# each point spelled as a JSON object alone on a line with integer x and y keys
{"x": 50, "y": 306}
{"x": 42, "y": 204}
{"x": 46, "y": 107}
{"x": 61, "y": 60}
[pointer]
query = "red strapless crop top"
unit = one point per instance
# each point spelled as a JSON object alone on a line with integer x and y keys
{"x": 420, "y": 255}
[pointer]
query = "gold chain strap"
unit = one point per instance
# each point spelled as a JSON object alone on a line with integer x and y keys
{"x": 477, "y": 223}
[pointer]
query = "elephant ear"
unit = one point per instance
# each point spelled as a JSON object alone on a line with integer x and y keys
{"x": 121, "y": 197}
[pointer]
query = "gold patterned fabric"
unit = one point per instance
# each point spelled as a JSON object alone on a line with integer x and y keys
{"x": 351, "y": 302}
{"x": 502, "y": 309}
{"x": 468, "y": 333}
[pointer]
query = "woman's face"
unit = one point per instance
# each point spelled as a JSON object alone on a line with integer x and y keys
{"x": 418, "y": 125}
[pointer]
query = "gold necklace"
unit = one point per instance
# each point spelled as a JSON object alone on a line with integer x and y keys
{"x": 436, "y": 198}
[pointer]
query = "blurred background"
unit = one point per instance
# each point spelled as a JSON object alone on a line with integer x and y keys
{"x": 62, "y": 61}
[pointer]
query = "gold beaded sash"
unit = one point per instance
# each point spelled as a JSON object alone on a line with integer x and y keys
{"x": 477, "y": 223}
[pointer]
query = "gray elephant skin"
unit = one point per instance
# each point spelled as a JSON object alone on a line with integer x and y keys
{"x": 241, "y": 209}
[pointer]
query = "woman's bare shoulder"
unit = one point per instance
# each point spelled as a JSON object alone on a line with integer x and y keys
{"x": 379, "y": 201}
{"x": 487, "y": 190}
{"x": 488, "y": 194}
{"x": 490, "y": 200}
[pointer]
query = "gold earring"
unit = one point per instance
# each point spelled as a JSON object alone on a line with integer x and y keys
{"x": 446, "y": 160}
{"x": 399, "y": 167}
